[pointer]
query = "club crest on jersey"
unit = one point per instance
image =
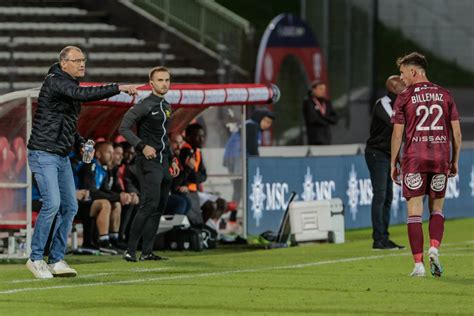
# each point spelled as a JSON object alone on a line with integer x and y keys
{"x": 413, "y": 181}
{"x": 438, "y": 182}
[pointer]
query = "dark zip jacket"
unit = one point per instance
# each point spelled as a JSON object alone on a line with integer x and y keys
{"x": 151, "y": 115}
{"x": 381, "y": 128}
{"x": 59, "y": 104}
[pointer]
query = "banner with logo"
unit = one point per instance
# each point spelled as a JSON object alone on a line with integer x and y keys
{"x": 271, "y": 180}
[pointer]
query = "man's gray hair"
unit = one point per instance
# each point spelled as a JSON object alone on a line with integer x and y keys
{"x": 65, "y": 51}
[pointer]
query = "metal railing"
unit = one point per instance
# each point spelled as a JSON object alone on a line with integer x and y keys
{"x": 214, "y": 26}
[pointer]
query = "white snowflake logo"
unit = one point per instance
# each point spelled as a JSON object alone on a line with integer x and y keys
{"x": 257, "y": 197}
{"x": 472, "y": 181}
{"x": 308, "y": 186}
{"x": 353, "y": 192}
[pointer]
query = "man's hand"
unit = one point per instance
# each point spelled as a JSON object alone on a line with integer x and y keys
{"x": 190, "y": 162}
{"x": 149, "y": 152}
{"x": 453, "y": 169}
{"x": 183, "y": 189}
{"x": 135, "y": 198}
{"x": 395, "y": 174}
{"x": 125, "y": 198}
{"x": 174, "y": 169}
{"x": 82, "y": 195}
{"x": 129, "y": 89}
{"x": 81, "y": 152}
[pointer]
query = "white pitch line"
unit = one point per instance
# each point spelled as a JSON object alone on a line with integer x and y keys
{"x": 83, "y": 276}
{"x": 197, "y": 275}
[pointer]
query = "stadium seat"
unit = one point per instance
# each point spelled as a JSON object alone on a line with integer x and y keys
{"x": 17, "y": 216}
{"x": 19, "y": 148}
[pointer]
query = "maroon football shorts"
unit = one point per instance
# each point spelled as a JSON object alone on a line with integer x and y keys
{"x": 421, "y": 183}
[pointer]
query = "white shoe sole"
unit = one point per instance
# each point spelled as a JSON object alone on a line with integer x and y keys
{"x": 435, "y": 265}
{"x": 30, "y": 266}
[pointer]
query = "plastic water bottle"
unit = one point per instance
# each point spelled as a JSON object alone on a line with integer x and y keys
{"x": 88, "y": 151}
{"x": 22, "y": 249}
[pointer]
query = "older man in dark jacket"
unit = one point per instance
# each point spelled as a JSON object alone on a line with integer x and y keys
{"x": 53, "y": 135}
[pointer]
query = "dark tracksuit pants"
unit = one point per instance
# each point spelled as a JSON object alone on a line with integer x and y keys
{"x": 155, "y": 184}
{"x": 379, "y": 167}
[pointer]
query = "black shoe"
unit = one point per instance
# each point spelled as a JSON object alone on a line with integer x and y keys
{"x": 127, "y": 256}
{"x": 106, "y": 247}
{"x": 380, "y": 245}
{"x": 151, "y": 257}
{"x": 118, "y": 244}
{"x": 393, "y": 245}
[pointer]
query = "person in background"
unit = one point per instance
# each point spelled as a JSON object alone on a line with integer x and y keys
{"x": 377, "y": 156}
{"x": 96, "y": 177}
{"x": 261, "y": 120}
{"x": 318, "y": 114}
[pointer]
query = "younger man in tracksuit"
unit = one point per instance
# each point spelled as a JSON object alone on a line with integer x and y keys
{"x": 154, "y": 161}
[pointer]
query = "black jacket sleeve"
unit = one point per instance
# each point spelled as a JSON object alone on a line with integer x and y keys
{"x": 191, "y": 175}
{"x": 252, "y": 131}
{"x": 313, "y": 116}
{"x": 83, "y": 94}
{"x": 332, "y": 117}
{"x": 133, "y": 115}
{"x": 78, "y": 141}
{"x": 380, "y": 112}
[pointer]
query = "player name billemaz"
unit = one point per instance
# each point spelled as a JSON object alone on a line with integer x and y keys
{"x": 426, "y": 97}
{"x": 430, "y": 138}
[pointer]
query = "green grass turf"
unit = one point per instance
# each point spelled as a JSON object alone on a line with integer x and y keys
{"x": 310, "y": 279}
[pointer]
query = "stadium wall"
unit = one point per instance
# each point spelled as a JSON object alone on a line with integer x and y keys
{"x": 271, "y": 180}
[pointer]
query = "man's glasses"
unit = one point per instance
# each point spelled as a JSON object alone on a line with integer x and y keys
{"x": 78, "y": 61}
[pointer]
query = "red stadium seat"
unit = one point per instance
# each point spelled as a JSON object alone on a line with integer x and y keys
{"x": 19, "y": 148}
{"x": 7, "y": 159}
{"x": 17, "y": 216}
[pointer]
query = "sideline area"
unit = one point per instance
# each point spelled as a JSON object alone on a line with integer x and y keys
{"x": 305, "y": 279}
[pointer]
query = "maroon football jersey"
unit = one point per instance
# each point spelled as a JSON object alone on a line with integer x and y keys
{"x": 427, "y": 111}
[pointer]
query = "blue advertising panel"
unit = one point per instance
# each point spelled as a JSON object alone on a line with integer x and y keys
{"x": 271, "y": 180}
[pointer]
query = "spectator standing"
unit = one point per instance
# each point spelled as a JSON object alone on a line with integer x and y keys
{"x": 319, "y": 115}
{"x": 261, "y": 120}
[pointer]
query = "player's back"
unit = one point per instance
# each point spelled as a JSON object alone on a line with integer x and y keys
{"x": 427, "y": 111}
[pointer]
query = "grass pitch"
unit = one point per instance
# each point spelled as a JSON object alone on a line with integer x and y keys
{"x": 312, "y": 279}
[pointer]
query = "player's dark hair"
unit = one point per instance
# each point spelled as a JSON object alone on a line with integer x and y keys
{"x": 414, "y": 59}
{"x": 192, "y": 128}
{"x": 317, "y": 83}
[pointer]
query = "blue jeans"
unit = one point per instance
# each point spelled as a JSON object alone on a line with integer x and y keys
{"x": 53, "y": 174}
{"x": 178, "y": 204}
{"x": 379, "y": 168}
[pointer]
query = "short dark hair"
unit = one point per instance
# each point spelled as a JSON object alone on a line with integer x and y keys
{"x": 63, "y": 54}
{"x": 316, "y": 83}
{"x": 191, "y": 128}
{"x": 414, "y": 59}
{"x": 158, "y": 69}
